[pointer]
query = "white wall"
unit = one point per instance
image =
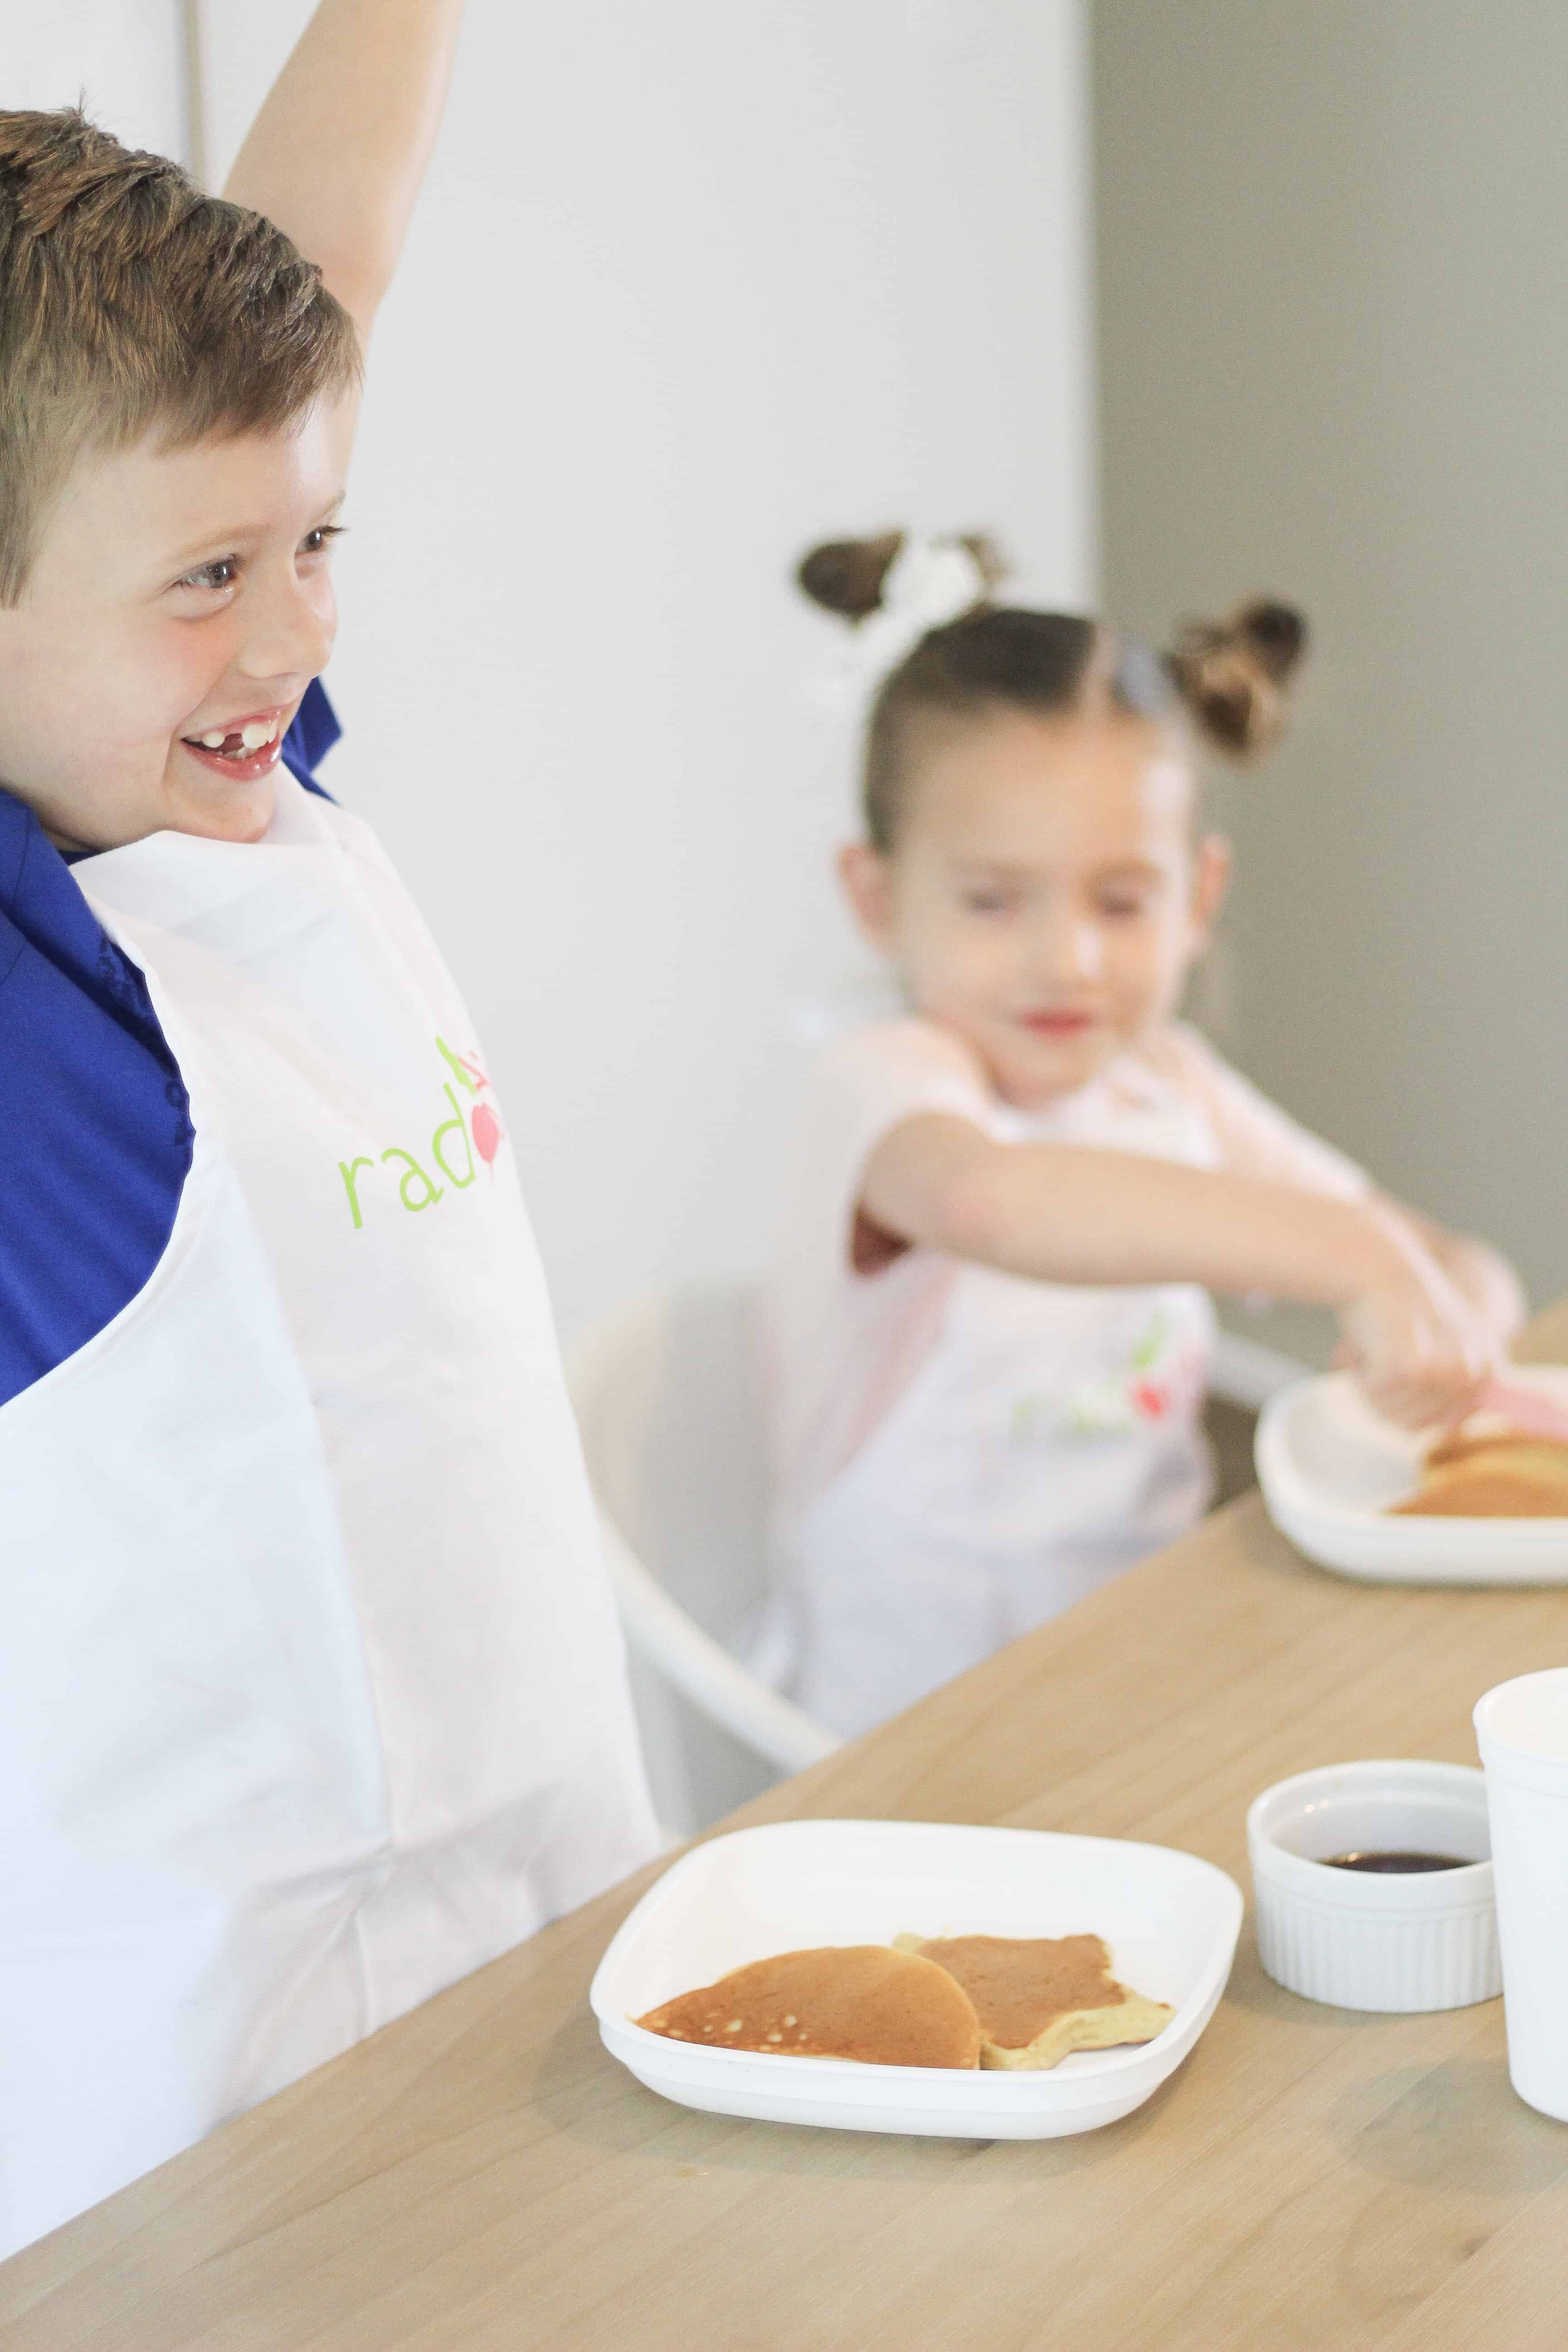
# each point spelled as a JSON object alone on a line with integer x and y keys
{"x": 690, "y": 287}
{"x": 124, "y": 57}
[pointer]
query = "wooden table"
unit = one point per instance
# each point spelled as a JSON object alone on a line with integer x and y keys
{"x": 482, "y": 2176}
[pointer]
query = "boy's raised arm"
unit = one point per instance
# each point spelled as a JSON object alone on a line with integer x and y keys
{"x": 337, "y": 153}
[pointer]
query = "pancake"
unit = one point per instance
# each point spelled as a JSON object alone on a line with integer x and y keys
{"x": 1038, "y": 2000}
{"x": 1491, "y": 1477}
{"x": 863, "y": 2001}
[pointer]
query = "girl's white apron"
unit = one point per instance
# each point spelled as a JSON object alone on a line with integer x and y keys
{"x": 312, "y": 1697}
{"x": 1050, "y": 1439}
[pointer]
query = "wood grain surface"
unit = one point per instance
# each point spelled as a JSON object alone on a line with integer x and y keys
{"x": 481, "y": 2175}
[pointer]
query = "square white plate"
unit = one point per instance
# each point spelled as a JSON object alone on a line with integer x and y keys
{"x": 1170, "y": 1921}
{"x": 1330, "y": 1467}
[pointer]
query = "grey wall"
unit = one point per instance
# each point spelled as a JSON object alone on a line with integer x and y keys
{"x": 1332, "y": 248}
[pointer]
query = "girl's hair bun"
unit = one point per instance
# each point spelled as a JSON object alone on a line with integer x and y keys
{"x": 1277, "y": 633}
{"x": 1232, "y": 674}
{"x": 847, "y": 575}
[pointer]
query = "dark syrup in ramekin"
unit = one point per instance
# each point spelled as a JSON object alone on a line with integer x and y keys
{"x": 1397, "y": 1865}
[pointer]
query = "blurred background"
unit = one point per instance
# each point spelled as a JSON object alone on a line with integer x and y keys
{"x": 1186, "y": 298}
{"x": 1331, "y": 357}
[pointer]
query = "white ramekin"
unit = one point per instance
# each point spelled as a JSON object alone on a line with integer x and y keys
{"x": 1423, "y": 1940}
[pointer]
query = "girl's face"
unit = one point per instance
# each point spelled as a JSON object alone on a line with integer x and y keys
{"x": 1046, "y": 897}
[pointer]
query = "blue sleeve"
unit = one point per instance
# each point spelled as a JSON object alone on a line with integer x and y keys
{"x": 95, "y": 1123}
{"x": 311, "y": 737}
{"x": 93, "y": 1111}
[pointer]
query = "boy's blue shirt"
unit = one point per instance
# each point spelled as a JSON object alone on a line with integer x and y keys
{"x": 95, "y": 1123}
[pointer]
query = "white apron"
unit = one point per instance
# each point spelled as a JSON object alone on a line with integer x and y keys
{"x": 312, "y": 1697}
{"x": 1050, "y": 1439}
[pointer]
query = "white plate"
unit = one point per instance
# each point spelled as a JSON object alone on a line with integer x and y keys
{"x": 1330, "y": 1467}
{"x": 1171, "y": 1922}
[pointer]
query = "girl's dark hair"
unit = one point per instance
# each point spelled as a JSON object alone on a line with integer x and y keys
{"x": 1229, "y": 677}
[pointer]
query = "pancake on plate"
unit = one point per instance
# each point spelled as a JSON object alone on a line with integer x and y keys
{"x": 1038, "y": 2000}
{"x": 866, "y": 2001}
{"x": 1492, "y": 1475}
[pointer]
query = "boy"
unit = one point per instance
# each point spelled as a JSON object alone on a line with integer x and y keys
{"x": 312, "y": 1697}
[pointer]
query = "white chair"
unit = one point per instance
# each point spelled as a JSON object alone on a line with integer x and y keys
{"x": 667, "y": 1397}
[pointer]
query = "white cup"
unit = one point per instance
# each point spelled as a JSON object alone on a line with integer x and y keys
{"x": 1521, "y": 1729}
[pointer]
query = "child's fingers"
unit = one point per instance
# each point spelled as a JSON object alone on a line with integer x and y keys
{"x": 1425, "y": 1352}
{"x": 1439, "y": 1389}
{"x": 1412, "y": 1409}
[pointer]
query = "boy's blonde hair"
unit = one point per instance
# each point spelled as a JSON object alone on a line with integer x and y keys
{"x": 132, "y": 303}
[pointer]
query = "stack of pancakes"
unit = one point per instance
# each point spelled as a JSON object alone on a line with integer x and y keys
{"x": 1492, "y": 1472}
{"x": 964, "y": 2000}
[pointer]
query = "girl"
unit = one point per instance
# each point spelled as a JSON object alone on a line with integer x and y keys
{"x": 988, "y": 1324}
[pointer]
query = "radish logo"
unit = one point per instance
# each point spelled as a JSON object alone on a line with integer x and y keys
{"x": 484, "y": 1123}
{"x": 474, "y": 1126}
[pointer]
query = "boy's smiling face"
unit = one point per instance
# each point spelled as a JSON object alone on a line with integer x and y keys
{"x": 175, "y": 596}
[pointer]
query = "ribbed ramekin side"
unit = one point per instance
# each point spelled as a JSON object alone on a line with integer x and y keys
{"x": 1363, "y": 1960}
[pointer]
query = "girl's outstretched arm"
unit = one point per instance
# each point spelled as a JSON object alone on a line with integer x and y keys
{"x": 1065, "y": 1212}
{"x": 337, "y": 153}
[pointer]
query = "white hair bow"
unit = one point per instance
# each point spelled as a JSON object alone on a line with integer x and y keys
{"x": 929, "y": 582}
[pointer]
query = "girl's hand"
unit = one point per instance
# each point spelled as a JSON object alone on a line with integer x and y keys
{"x": 1420, "y": 1347}
{"x": 1485, "y": 1280}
